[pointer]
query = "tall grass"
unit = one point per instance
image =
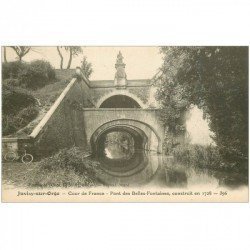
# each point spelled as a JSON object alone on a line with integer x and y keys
{"x": 67, "y": 168}
{"x": 206, "y": 157}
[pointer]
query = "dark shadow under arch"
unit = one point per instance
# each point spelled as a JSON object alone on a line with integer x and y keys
{"x": 120, "y": 101}
{"x": 150, "y": 139}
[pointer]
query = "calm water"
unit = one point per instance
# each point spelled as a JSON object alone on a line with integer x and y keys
{"x": 125, "y": 166}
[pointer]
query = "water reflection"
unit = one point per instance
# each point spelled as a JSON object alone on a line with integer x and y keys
{"x": 180, "y": 176}
{"x": 124, "y": 165}
{"x": 119, "y": 151}
{"x": 119, "y": 145}
{"x": 136, "y": 170}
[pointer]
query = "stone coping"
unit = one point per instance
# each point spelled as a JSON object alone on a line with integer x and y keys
{"x": 120, "y": 109}
{"x": 53, "y": 108}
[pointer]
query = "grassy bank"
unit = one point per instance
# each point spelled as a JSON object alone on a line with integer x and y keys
{"x": 205, "y": 157}
{"x": 67, "y": 168}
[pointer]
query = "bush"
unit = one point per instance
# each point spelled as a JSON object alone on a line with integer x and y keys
{"x": 216, "y": 80}
{"x": 36, "y": 75}
{"x": 206, "y": 157}
{"x": 28, "y": 114}
{"x": 67, "y": 168}
{"x": 11, "y": 70}
{"x": 15, "y": 99}
{"x": 18, "y": 109}
{"x": 32, "y": 75}
{"x": 12, "y": 82}
{"x": 12, "y": 123}
{"x": 8, "y": 126}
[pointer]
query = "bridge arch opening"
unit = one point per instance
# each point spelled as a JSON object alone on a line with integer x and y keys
{"x": 144, "y": 136}
{"x": 123, "y": 149}
{"x": 120, "y": 101}
{"x": 122, "y": 135}
{"x": 119, "y": 149}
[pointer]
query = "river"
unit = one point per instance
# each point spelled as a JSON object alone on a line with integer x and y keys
{"x": 125, "y": 166}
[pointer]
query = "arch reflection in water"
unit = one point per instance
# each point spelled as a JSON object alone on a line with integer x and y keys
{"x": 123, "y": 163}
{"x": 119, "y": 145}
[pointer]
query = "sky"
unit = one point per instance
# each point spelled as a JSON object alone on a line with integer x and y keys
{"x": 141, "y": 63}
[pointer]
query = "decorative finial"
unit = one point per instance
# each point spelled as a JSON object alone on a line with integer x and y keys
{"x": 120, "y": 75}
{"x": 119, "y": 59}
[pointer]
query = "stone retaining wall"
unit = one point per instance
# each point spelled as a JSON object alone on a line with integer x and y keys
{"x": 62, "y": 126}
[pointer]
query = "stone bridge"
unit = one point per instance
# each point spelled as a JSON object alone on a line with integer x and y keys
{"x": 143, "y": 125}
{"x": 87, "y": 110}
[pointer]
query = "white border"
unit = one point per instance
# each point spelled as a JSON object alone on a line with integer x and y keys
{"x": 124, "y": 226}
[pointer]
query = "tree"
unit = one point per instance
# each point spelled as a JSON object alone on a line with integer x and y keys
{"x": 86, "y": 67}
{"x": 216, "y": 80}
{"x": 21, "y": 51}
{"x": 61, "y": 57}
{"x": 4, "y": 54}
{"x": 72, "y": 50}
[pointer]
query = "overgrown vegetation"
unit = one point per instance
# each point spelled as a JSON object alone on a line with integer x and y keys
{"x": 19, "y": 108}
{"x": 25, "y": 87}
{"x": 206, "y": 157}
{"x": 216, "y": 80}
{"x": 32, "y": 75}
{"x": 67, "y": 168}
{"x": 86, "y": 67}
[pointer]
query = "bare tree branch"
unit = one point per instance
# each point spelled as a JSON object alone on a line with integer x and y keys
{"x": 60, "y": 54}
{"x": 21, "y": 51}
{"x": 4, "y": 54}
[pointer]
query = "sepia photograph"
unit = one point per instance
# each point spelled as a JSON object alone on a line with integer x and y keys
{"x": 125, "y": 124}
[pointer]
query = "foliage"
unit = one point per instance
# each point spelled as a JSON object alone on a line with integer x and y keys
{"x": 215, "y": 79}
{"x": 67, "y": 168}
{"x": 36, "y": 75}
{"x": 11, "y": 70}
{"x": 86, "y": 68}
{"x": 73, "y": 52}
{"x": 15, "y": 99}
{"x": 18, "y": 109}
{"x": 32, "y": 75}
{"x": 198, "y": 156}
{"x": 49, "y": 93}
{"x": 173, "y": 101}
{"x": 173, "y": 106}
{"x": 21, "y": 51}
{"x": 12, "y": 124}
{"x": 28, "y": 114}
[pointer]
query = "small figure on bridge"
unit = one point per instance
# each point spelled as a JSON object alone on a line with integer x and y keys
{"x": 120, "y": 75}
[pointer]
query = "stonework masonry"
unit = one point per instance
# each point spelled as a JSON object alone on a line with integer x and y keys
{"x": 77, "y": 119}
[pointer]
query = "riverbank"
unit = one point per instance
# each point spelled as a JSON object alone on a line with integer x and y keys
{"x": 37, "y": 175}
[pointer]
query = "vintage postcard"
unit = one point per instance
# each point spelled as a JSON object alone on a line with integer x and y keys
{"x": 124, "y": 124}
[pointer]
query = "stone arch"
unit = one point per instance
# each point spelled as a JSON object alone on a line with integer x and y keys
{"x": 123, "y": 92}
{"x": 150, "y": 139}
